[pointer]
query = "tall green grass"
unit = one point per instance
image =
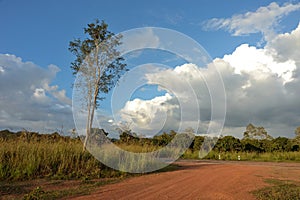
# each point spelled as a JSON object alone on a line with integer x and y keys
{"x": 62, "y": 158}
{"x": 135, "y": 158}
{"x": 21, "y": 160}
{"x": 246, "y": 156}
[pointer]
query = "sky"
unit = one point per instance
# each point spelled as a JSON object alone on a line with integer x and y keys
{"x": 253, "y": 45}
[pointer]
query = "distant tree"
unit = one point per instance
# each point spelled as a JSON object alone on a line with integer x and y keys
{"x": 208, "y": 144}
{"x": 98, "y": 66}
{"x": 164, "y": 138}
{"x": 295, "y": 147}
{"x": 266, "y": 145}
{"x": 297, "y": 133}
{"x": 251, "y": 145}
{"x": 228, "y": 144}
{"x": 197, "y": 143}
{"x": 296, "y": 140}
{"x": 281, "y": 144}
{"x": 127, "y": 137}
{"x": 253, "y": 132}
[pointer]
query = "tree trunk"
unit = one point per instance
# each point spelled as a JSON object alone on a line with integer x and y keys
{"x": 92, "y": 103}
{"x": 88, "y": 128}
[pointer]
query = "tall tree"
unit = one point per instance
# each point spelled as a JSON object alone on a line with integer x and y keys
{"x": 98, "y": 66}
{"x": 297, "y": 132}
{"x": 253, "y": 132}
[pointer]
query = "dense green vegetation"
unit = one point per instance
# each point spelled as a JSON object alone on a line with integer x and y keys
{"x": 256, "y": 145}
{"x": 279, "y": 190}
{"x": 28, "y": 155}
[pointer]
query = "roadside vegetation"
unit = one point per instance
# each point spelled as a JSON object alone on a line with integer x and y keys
{"x": 27, "y": 155}
{"x": 279, "y": 190}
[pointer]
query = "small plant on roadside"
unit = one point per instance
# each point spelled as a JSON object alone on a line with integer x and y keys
{"x": 35, "y": 194}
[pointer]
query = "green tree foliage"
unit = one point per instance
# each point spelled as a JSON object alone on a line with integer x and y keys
{"x": 253, "y": 132}
{"x": 296, "y": 140}
{"x": 164, "y": 139}
{"x": 127, "y": 137}
{"x": 266, "y": 145}
{"x": 197, "y": 143}
{"x": 297, "y": 132}
{"x": 251, "y": 145}
{"x": 228, "y": 143}
{"x": 281, "y": 144}
{"x": 98, "y": 66}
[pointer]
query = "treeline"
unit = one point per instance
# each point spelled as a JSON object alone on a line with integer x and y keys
{"x": 27, "y": 155}
{"x": 28, "y": 136}
{"x": 255, "y": 139}
{"x": 279, "y": 144}
{"x": 224, "y": 144}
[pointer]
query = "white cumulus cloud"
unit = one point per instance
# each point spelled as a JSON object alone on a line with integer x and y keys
{"x": 186, "y": 103}
{"x": 148, "y": 117}
{"x": 28, "y": 100}
{"x": 286, "y": 46}
{"x": 264, "y": 20}
{"x": 249, "y": 59}
{"x": 262, "y": 87}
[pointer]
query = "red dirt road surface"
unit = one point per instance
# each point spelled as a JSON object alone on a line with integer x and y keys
{"x": 199, "y": 180}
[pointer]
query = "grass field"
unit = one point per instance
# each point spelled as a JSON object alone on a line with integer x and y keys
{"x": 21, "y": 160}
{"x": 249, "y": 156}
{"x": 279, "y": 190}
{"x": 26, "y": 162}
{"x": 64, "y": 159}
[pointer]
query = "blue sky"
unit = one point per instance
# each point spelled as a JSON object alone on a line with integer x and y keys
{"x": 39, "y": 32}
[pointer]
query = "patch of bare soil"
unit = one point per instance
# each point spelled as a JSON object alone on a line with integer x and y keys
{"x": 199, "y": 180}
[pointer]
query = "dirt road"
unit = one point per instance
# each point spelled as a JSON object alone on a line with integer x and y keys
{"x": 200, "y": 180}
